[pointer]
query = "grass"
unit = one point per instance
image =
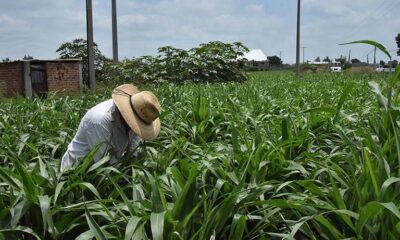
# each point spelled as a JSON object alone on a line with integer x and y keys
{"x": 275, "y": 157}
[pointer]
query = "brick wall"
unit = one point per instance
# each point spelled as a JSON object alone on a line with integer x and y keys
{"x": 63, "y": 76}
{"x": 11, "y": 79}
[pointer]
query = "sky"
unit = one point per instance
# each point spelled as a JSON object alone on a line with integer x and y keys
{"x": 38, "y": 27}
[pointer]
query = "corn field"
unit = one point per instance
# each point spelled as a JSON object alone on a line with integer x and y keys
{"x": 272, "y": 158}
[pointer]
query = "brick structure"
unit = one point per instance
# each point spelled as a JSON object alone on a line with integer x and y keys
{"x": 11, "y": 79}
{"x": 40, "y": 76}
{"x": 63, "y": 76}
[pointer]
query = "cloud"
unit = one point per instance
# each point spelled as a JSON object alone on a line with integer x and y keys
{"x": 255, "y": 8}
{"x": 187, "y": 23}
{"x": 328, "y": 23}
{"x": 38, "y": 27}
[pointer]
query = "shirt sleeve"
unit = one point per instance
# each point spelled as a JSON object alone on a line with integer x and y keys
{"x": 98, "y": 134}
{"x": 94, "y": 130}
{"x": 134, "y": 141}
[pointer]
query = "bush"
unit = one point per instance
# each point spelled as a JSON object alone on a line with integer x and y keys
{"x": 210, "y": 62}
{"x": 306, "y": 67}
{"x": 78, "y": 49}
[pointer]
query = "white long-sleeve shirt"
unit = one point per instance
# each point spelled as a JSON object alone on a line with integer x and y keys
{"x": 103, "y": 125}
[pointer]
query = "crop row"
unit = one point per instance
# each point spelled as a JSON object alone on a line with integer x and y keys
{"x": 274, "y": 157}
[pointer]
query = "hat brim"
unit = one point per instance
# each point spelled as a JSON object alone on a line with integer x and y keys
{"x": 122, "y": 100}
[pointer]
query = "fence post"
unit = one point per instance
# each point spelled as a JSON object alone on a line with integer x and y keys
{"x": 27, "y": 79}
{"x": 80, "y": 79}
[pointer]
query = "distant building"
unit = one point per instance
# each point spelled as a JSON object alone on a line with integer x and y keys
{"x": 256, "y": 59}
{"x": 334, "y": 66}
{"x": 38, "y": 77}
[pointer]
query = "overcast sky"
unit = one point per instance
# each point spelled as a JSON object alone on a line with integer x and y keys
{"x": 38, "y": 27}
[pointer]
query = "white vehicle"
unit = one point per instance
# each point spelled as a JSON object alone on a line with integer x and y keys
{"x": 381, "y": 69}
{"x": 336, "y": 67}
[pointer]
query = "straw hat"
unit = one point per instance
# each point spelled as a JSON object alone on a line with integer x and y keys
{"x": 140, "y": 110}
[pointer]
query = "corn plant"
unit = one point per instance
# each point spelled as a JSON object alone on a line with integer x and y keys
{"x": 274, "y": 157}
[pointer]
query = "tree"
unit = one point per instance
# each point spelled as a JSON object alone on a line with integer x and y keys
{"x": 355, "y": 60}
{"x": 342, "y": 59}
{"x": 398, "y": 44}
{"x": 274, "y": 60}
{"x": 6, "y": 60}
{"x": 393, "y": 63}
{"x": 382, "y": 63}
{"x": 78, "y": 49}
{"x": 326, "y": 59}
{"x": 27, "y": 57}
{"x": 317, "y": 59}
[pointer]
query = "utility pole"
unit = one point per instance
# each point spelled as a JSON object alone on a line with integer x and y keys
{"x": 374, "y": 56}
{"x": 303, "y": 52}
{"x": 280, "y": 57}
{"x": 298, "y": 40}
{"x": 367, "y": 59}
{"x": 114, "y": 31}
{"x": 349, "y": 56}
{"x": 89, "y": 29}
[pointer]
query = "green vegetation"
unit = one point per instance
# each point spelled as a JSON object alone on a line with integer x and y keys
{"x": 273, "y": 157}
{"x": 209, "y": 62}
{"x": 78, "y": 49}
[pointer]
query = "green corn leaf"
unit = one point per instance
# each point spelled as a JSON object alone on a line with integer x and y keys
{"x": 86, "y": 161}
{"x": 22, "y": 229}
{"x": 328, "y": 225}
{"x": 29, "y": 186}
{"x": 340, "y": 202}
{"x": 157, "y": 195}
{"x": 387, "y": 183}
{"x": 47, "y": 215}
{"x": 88, "y": 186}
{"x": 186, "y": 200}
{"x": 221, "y": 213}
{"x": 319, "y": 110}
{"x": 178, "y": 176}
{"x": 371, "y": 170}
{"x": 348, "y": 88}
{"x": 9, "y": 178}
{"x": 22, "y": 143}
{"x": 238, "y": 227}
{"x": 18, "y": 211}
{"x": 94, "y": 227}
{"x": 157, "y": 225}
{"x": 373, "y": 43}
{"x": 295, "y": 228}
{"x": 382, "y": 100}
{"x": 86, "y": 235}
{"x": 372, "y": 209}
{"x": 131, "y": 227}
{"x": 42, "y": 166}
{"x": 123, "y": 196}
{"x": 99, "y": 163}
{"x": 285, "y": 128}
{"x": 395, "y": 78}
{"x": 59, "y": 187}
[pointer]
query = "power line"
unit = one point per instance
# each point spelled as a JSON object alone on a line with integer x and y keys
{"x": 383, "y": 8}
{"x": 366, "y": 54}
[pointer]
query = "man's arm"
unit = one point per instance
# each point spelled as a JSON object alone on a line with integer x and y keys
{"x": 134, "y": 142}
{"x": 98, "y": 134}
